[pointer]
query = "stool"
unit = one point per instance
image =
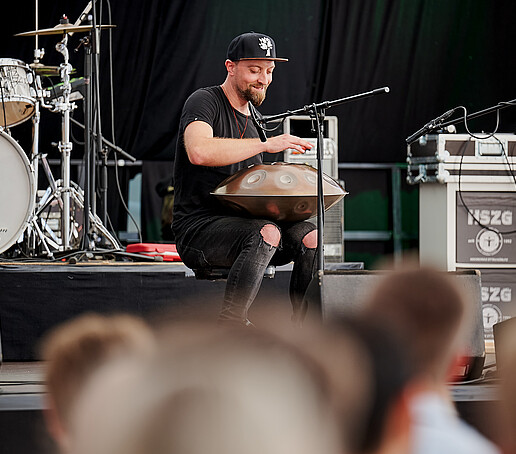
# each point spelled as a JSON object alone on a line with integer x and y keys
{"x": 218, "y": 274}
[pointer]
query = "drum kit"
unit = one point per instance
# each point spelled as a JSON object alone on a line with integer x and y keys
{"x": 25, "y": 225}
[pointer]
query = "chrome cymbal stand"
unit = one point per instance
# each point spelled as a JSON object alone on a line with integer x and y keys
{"x": 65, "y": 146}
{"x": 64, "y": 191}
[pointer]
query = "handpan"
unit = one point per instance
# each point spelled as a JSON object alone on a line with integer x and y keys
{"x": 280, "y": 191}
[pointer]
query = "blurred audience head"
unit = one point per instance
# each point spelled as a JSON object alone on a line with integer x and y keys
{"x": 386, "y": 420}
{"x": 228, "y": 391}
{"x": 427, "y": 310}
{"x": 75, "y": 350}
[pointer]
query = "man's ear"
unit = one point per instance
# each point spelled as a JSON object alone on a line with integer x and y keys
{"x": 230, "y": 66}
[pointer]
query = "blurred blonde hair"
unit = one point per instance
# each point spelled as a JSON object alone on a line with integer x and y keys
{"x": 224, "y": 391}
{"x": 76, "y": 349}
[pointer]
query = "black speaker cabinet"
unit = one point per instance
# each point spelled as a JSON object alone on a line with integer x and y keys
{"x": 501, "y": 332}
{"x": 337, "y": 293}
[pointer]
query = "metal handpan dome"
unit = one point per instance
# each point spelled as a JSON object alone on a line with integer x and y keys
{"x": 279, "y": 191}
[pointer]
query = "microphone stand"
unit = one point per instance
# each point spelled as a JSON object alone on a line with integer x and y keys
{"x": 93, "y": 139}
{"x": 434, "y": 125}
{"x": 107, "y": 143}
{"x": 318, "y": 111}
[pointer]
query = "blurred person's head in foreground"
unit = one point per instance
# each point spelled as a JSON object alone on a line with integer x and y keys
{"x": 227, "y": 391}
{"x": 386, "y": 420}
{"x": 428, "y": 311}
{"x": 75, "y": 350}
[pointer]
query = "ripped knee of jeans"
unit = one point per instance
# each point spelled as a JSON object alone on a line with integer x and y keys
{"x": 310, "y": 240}
{"x": 271, "y": 235}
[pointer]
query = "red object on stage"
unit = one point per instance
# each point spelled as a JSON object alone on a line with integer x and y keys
{"x": 167, "y": 251}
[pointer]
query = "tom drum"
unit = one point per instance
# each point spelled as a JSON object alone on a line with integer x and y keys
{"x": 17, "y": 93}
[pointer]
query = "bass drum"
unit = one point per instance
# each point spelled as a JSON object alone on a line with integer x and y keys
{"x": 17, "y": 192}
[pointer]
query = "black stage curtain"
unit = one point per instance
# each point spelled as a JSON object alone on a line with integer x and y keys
{"x": 433, "y": 54}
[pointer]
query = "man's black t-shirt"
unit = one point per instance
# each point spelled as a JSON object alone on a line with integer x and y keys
{"x": 193, "y": 204}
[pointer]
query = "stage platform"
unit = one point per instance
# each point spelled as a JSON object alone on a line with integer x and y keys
{"x": 35, "y": 297}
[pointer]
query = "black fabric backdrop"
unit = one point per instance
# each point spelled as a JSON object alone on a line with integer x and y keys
{"x": 433, "y": 54}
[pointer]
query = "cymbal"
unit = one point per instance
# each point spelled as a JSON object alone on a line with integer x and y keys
{"x": 43, "y": 70}
{"x": 63, "y": 28}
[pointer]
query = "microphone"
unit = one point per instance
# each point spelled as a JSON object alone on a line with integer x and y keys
{"x": 430, "y": 126}
{"x": 254, "y": 118}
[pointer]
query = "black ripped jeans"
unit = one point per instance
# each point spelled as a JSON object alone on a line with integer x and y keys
{"x": 237, "y": 243}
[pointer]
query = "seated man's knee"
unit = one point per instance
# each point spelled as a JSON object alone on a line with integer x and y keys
{"x": 271, "y": 234}
{"x": 310, "y": 239}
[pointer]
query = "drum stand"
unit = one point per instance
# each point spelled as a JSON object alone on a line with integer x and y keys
{"x": 63, "y": 191}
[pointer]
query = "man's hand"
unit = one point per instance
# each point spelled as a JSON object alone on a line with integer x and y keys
{"x": 279, "y": 143}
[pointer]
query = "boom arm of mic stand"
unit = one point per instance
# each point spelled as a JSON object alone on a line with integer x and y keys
{"x": 110, "y": 144}
{"x": 324, "y": 105}
{"x": 426, "y": 129}
{"x": 480, "y": 113}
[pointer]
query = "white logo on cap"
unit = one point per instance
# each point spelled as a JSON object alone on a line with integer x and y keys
{"x": 266, "y": 44}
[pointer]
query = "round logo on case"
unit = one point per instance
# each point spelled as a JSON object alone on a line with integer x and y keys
{"x": 489, "y": 242}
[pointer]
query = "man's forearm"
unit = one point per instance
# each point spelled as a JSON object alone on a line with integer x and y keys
{"x": 216, "y": 151}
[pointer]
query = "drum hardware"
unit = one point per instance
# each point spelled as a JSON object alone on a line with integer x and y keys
{"x": 52, "y": 196}
{"x": 47, "y": 71}
{"x": 21, "y": 97}
{"x": 62, "y": 192}
{"x": 55, "y": 92}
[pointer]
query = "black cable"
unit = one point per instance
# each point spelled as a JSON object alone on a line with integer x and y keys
{"x": 75, "y": 140}
{"x": 506, "y": 155}
{"x": 463, "y": 147}
{"x": 473, "y": 135}
{"x": 263, "y": 128}
{"x": 124, "y": 203}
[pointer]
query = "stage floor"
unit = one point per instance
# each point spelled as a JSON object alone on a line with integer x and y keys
{"x": 22, "y": 387}
{"x": 22, "y": 401}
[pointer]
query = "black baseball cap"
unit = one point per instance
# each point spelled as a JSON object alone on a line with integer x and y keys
{"x": 253, "y": 46}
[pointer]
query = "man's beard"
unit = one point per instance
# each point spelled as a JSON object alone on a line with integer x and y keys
{"x": 254, "y": 97}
